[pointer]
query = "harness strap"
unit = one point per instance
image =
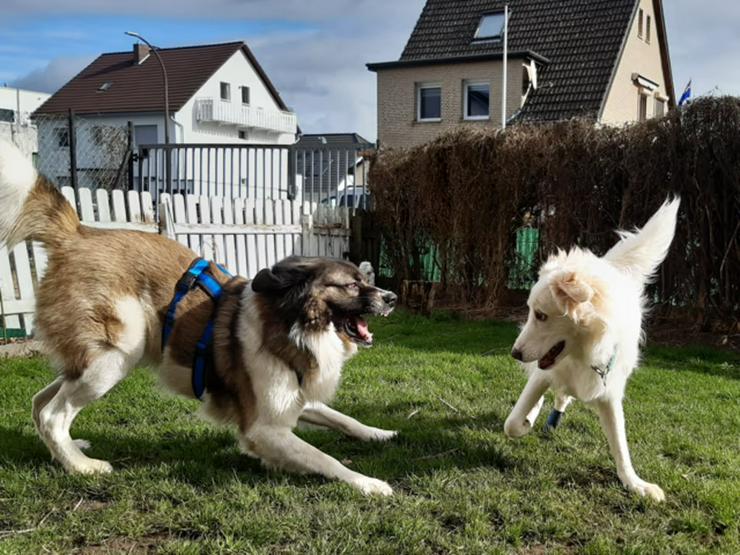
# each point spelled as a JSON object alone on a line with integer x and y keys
{"x": 197, "y": 276}
{"x": 184, "y": 285}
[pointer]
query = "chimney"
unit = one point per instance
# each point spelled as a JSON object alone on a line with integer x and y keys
{"x": 141, "y": 52}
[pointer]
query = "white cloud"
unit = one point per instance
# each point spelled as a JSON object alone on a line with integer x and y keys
{"x": 52, "y": 76}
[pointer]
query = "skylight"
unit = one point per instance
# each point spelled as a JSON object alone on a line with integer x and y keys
{"x": 491, "y": 26}
{"x": 105, "y": 86}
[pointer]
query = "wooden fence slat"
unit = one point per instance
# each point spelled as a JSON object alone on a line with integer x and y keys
{"x": 178, "y": 205}
{"x": 241, "y": 239}
{"x": 103, "y": 205}
{"x": 87, "y": 210}
{"x": 278, "y": 238}
{"x": 207, "y": 245}
{"x": 134, "y": 207}
{"x": 7, "y": 290}
{"x": 119, "y": 206}
{"x": 219, "y": 246}
{"x": 191, "y": 205}
{"x": 147, "y": 207}
{"x": 253, "y": 260}
{"x": 230, "y": 240}
{"x": 25, "y": 281}
{"x": 69, "y": 194}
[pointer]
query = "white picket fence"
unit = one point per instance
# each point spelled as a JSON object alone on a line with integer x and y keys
{"x": 244, "y": 235}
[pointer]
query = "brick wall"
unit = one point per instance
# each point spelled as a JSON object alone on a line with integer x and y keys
{"x": 397, "y": 125}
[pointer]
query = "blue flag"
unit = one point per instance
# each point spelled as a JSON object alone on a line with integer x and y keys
{"x": 686, "y": 94}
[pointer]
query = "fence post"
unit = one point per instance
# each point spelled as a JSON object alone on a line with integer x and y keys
{"x": 130, "y": 151}
{"x": 72, "y": 149}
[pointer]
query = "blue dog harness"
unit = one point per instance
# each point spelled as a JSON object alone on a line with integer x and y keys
{"x": 197, "y": 276}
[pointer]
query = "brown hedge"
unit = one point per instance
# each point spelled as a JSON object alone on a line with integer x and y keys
{"x": 468, "y": 192}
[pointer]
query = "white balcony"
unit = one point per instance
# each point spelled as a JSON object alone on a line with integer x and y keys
{"x": 211, "y": 110}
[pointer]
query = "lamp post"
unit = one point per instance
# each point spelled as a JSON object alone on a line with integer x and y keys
{"x": 166, "y": 87}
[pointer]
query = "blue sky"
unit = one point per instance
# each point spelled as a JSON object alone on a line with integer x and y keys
{"x": 314, "y": 50}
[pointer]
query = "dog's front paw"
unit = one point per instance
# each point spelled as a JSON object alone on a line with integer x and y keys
{"x": 646, "y": 489}
{"x": 92, "y": 466}
{"x": 371, "y": 486}
{"x": 376, "y": 434}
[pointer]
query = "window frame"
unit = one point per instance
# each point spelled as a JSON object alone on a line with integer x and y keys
{"x": 476, "y": 35}
{"x": 221, "y": 90}
{"x": 466, "y": 87}
{"x": 648, "y": 29}
{"x": 659, "y": 107}
{"x": 424, "y": 86}
{"x": 640, "y": 26}
{"x": 249, "y": 95}
{"x": 642, "y": 107}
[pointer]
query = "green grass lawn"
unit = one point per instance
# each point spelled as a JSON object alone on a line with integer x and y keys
{"x": 447, "y": 385}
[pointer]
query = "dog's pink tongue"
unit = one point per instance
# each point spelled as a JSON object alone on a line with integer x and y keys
{"x": 363, "y": 330}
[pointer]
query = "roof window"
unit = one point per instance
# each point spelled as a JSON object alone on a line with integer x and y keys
{"x": 491, "y": 26}
{"x": 105, "y": 86}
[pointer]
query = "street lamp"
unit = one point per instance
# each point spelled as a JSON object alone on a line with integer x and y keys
{"x": 166, "y": 87}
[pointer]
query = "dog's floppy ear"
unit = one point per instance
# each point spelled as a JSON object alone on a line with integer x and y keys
{"x": 570, "y": 291}
{"x": 266, "y": 282}
{"x": 286, "y": 274}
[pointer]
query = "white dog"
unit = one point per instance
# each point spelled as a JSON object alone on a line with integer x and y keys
{"x": 583, "y": 333}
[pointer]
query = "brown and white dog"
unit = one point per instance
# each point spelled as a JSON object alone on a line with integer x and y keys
{"x": 279, "y": 342}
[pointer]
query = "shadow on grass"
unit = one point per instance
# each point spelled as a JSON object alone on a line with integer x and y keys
{"x": 208, "y": 459}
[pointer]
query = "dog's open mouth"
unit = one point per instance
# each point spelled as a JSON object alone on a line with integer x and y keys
{"x": 551, "y": 356}
{"x": 356, "y": 328}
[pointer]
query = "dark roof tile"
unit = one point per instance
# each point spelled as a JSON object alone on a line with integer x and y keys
{"x": 139, "y": 87}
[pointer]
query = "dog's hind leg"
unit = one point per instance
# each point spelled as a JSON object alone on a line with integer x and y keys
{"x": 611, "y": 415}
{"x": 527, "y": 407}
{"x": 321, "y": 415}
{"x": 57, "y": 415}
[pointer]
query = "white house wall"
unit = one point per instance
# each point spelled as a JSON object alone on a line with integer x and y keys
{"x": 238, "y": 72}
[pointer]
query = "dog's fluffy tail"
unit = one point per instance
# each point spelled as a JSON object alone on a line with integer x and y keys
{"x": 640, "y": 253}
{"x": 30, "y": 206}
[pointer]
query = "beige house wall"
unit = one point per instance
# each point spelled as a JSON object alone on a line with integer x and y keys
{"x": 397, "y": 122}
{"x": 622, "y": 101}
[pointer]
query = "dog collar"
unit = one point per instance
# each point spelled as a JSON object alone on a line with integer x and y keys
{"x": 603, "y": 371}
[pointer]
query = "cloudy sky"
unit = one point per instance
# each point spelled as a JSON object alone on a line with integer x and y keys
{"x": 314, "y": 50}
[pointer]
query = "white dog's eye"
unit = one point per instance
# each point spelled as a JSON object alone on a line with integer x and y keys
{"x": 541, "y": 316}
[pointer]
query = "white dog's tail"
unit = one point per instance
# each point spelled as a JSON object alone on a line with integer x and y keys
{"x": 640, "y": 253}
{"x": 30, "y": 206}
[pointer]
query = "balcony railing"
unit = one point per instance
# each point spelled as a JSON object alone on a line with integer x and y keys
{"x": 228, "y": 113}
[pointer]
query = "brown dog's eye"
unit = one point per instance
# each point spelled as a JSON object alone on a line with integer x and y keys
{"x": 541, "y": 316}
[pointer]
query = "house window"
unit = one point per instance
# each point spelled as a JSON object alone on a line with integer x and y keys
{"x": 477, "y": 101}
{"x": 642, "y": 107}
{"x": 245, "y": 95}
{"x": 243, "y": 135}
{"x": 647, "y": 30}
{"x": 640, "y": 16}
{"x": 225, "y": 91}
{"x": 61, "y": 136}
{"x": 429, "y": 103}
{"x": 7, "y": 115}
{"x": 145, "y": 135}
{"x": 659, "y": 107}
{"x": 490, "y": 26}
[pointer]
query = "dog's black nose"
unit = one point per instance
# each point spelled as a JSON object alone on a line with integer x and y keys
{"x": 390, "y": 298}
{"x": 517, "y": 354}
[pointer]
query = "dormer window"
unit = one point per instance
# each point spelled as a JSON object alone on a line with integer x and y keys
{"x": 491, "y": 26}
